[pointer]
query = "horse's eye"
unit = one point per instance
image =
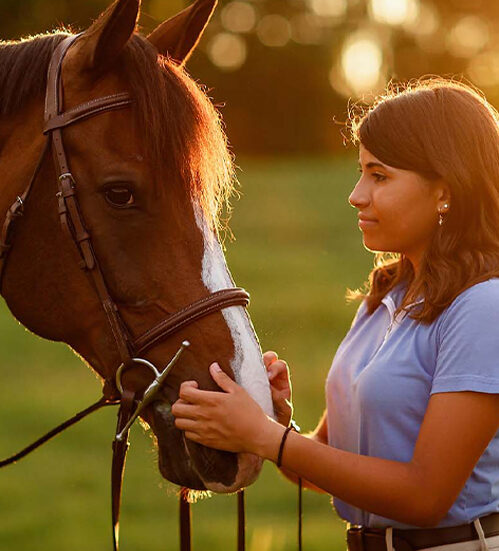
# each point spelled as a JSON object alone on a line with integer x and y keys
{"x": 119, "y": 196}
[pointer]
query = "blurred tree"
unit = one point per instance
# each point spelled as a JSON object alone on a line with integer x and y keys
{"x": 282, "y": 69}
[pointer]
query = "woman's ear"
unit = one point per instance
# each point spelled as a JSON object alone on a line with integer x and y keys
{"x": 442, "y": 192}
{"x": 178, "y": 36}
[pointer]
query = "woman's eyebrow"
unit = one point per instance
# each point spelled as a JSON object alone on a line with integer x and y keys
{"x": 373, "y": 164}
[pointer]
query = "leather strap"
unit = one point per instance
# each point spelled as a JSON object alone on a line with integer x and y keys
{"x": 88, "y": 109}
{"x": 241, "y": 521}
{"x": 69, "y": 212}
{"x": 300, "y": 514}
{"x": 15, "y": 211}
{"x": 53, "y": 94}
{"x": 195, "y": 311}
{"x": 185, "y": 520}
{"x": 120, "y": 449}
{"x": 102, "y": 402}
{"x": 373, "y": 539}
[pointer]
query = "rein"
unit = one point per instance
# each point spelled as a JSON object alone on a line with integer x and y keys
{"x": 128, "y": 347}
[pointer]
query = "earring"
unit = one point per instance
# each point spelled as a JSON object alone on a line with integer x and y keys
{"x": 441, "y": 212}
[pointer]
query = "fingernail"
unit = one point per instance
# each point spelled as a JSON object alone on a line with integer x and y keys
{"x": 215, "y": 367}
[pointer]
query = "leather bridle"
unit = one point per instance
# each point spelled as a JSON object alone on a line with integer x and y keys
{"x": 129, "y": 348}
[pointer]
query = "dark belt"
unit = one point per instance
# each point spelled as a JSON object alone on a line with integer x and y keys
{"x": 361, "y": 538}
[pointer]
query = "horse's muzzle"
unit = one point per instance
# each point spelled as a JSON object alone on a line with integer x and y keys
{"x": 187, "y": 463}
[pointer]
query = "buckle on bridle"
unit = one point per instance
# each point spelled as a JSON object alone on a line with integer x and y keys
{"x": 67, "y": 176}
{"x": 18, "y": 207}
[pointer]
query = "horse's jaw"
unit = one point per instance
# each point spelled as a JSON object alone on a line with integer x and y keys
{"x": 197, "y": 467}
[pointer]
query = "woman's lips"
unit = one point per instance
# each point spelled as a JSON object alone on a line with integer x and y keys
{"x": 366, "y": 223}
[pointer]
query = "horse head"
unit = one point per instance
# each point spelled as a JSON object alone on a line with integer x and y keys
{"x": 150, "y": 181}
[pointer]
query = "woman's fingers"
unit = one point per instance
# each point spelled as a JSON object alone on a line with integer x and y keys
{"x": 191, "y": 393}
{"x": 229, "y": 420}
{"x": 184, "y": 409}
{"x": 185, "y": 424}
{"x": 189, "y": 390}
{"x": 222, "y": 379}
{"x": 279, "y": 379}
{"x": 194, "y": 436}
{"x": 269, "y": 357}
{"x": 280, "y": 386}
{"x": 279, "y": 368}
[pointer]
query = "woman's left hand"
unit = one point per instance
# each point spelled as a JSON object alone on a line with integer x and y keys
{"x": 229, "y": 420}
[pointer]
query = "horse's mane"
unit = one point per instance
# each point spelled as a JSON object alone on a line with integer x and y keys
{"x": 23, "y": 70}
{"x": 180, "y": 129}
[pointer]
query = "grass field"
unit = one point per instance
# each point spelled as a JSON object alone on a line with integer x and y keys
{"x": 297, "y": 249}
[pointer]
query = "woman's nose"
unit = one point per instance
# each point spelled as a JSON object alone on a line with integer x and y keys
{"x": 359, "y": 198}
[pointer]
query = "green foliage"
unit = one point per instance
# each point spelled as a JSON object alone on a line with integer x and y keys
{"x": 297, "y": 249}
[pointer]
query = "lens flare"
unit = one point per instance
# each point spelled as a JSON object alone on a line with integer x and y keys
{"x": 329, "y": 8}
{"x": 306, "y": 29}
{"x": 227, "y": 51}
{"x": 468, "y": 36}
{"x": 361, "y": 63}
{"x": 238, "y": 17}
{"x": 274, "y": 31}
{"x": 394, "y": 12}
{"x": 425, "y": 23}
{"x": 483, "y": 69}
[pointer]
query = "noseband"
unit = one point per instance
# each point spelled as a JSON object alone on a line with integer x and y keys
{"x": 129, "y": 348}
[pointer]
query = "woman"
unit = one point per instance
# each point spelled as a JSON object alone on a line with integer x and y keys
{"x": 409, "y": 444}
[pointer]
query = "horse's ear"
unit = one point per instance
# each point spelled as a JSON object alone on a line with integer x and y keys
{"x": 103, "y": 41}
{"x": 178, "y": 36}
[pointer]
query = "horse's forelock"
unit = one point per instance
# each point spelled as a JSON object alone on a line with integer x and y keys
{"x": 181, "y": 130}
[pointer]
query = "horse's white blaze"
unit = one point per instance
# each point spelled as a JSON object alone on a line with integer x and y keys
{"x": 247, "y": 363}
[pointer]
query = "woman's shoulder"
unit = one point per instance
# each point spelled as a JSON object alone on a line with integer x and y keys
{"x": 482, "y": 294}
{"x": 468, "y": 343}
{"x": 478, "y": 304}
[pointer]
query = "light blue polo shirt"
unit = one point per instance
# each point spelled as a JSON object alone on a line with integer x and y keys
{"x": 384, "y": 373}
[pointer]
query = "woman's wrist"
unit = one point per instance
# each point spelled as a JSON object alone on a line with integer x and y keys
{"x": 269, "y": 440}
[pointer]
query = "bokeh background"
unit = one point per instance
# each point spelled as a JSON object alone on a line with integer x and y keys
{"x": 283, "y": 73}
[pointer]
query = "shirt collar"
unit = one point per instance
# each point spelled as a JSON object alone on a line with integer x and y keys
{"x": 393, "y": 299}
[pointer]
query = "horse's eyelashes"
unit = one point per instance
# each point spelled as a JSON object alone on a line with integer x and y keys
{"x": 119, "y": 196}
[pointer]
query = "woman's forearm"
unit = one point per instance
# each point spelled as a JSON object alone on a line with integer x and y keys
{"x": 387, "y": 488}
{"x": 293, "y": 477}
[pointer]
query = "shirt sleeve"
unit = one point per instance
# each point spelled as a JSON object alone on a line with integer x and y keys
{"x": 468, "y": 342}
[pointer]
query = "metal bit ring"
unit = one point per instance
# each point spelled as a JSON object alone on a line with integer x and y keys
{"x": 124, "y": 366}
{"x": 151, "y": 390}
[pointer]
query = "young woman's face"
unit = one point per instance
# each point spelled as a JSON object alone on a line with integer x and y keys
{"x": 398, "y": 209}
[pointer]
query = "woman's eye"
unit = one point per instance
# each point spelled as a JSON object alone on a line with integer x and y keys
{"x": 376, "y": 175}
{"x": 119, "y": 196}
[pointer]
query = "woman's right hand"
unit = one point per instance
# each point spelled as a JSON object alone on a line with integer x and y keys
{"x": 280, "y": 386}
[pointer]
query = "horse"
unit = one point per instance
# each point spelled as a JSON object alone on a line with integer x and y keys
{"x": 151, "y": 173}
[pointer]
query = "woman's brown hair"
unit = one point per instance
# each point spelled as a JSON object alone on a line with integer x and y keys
{"x": 441, "y": 129}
